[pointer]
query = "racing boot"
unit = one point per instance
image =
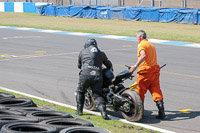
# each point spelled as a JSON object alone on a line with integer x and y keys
{"x": 161, "y": 110}
{"x": 102, "y": 109}
{"x": 79, "y": 110}
{"x": 80, "y": 98}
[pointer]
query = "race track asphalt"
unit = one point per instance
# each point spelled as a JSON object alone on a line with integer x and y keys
{"x": 45, "y": 65}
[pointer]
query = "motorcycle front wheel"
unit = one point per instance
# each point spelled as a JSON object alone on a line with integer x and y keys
{"x": 89, "y": 103}
{"x": 134, "y": 111}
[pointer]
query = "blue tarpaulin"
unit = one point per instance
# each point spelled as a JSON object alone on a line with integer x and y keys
{"x": 150, "y": 14}
{"x": 117, "y": 13}
{"x": 90, "y": 12}
{"x": 40, "y": 10}
{"x": 63, "y": 11}
{"x": 168, "y": 15}
{"x": 132, "y": 13}
{"x": 187, "y": 16}
{"x": 50, "y": 10}
{"x": 76, "y": 11}
{"x": 103, "y": 12}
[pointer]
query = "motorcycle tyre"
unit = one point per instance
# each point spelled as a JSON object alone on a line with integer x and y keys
{"x": 139, "y": 110}
{"x": 6, "y": 119}
{"x": 16, "y": 102}
{"x": 6, "y": 95}
{"x": 92, "y": 104}
{"x": 82, "y": 129}
{"x": 62, "y": 123}
{"x": 28, "y": 127}
{"x": 45, "y": 115}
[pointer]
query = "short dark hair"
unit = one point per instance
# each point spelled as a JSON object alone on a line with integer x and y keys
{"x": 142, "y": 34}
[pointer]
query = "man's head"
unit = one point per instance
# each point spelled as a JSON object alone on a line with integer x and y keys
{"x": 141, "y": 34}
{"x": 89, "y": 42}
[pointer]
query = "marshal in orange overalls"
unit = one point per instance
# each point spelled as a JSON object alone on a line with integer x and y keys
{"x": 148, "y": 72}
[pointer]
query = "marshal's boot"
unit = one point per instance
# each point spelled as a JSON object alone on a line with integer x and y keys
{"x": 161, "y": 110}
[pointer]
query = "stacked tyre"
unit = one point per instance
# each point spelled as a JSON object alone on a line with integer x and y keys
{"x": 22, "y": 115}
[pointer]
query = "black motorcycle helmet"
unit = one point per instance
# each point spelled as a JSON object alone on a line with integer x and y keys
{"x": 89, "y": 42}
{"x": 108, "y": 75}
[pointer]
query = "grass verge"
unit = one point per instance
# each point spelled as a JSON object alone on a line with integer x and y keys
{"x": 112, "y": 125}
{"x": 155, "y": 30}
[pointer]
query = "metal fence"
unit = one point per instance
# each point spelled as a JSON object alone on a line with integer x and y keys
{"x": 195, "y": 4}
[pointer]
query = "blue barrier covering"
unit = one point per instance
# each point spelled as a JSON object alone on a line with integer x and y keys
{"x": 168, "y": 15}
{"x": 40, "y": 10}
{"x": 132, "y": 13}
{"x": 76, "y": 11}
{"x": 187, "y": 16}
{"x": 9, "y": 6}
{"x": 50, "y": 10}
{"x": 90, "y": 12}
{"x": 117, "y": 13}
{"x": 29, "y": 7}
{"x": 63, "y": 11}
{"x": 175, "y": 15}
{"x": 103, "y": 12}
{"x": 150, "y": 14}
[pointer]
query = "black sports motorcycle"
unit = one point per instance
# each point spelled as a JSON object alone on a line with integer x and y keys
{"x": 117, "y": 96}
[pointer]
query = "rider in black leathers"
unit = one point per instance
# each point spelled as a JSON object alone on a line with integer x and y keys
{"x": 90, "y": 62}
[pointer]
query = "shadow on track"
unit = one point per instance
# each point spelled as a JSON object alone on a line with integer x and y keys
{"x": 150, "y": 118}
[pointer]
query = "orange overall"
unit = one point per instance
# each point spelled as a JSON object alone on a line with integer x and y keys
{"x": 148, "y": 72}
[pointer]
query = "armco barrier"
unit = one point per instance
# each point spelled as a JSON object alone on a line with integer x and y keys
{"x": 132, "y": 13}
{"x": 50, "y": 10}
{"x": 150, "y": 14}
{"x": 186, "y": 16}
{"x": 76, "y": 11}
{"x": 29, "y": 7}
{"x": 2, "y": 7}
{"x": 168, "y": 15}
{"x": 63, "y": 11}
{"x": 103, "y": 12}
{"x": 9, "y": 7}
{"x": 117, "y": 13}
{"x": 40, "y": 10}
{"x": 90, "y": 12}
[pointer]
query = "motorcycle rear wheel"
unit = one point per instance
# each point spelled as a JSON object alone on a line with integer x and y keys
{"x": 136, "y": 112}
{"x": 89, "y": 103}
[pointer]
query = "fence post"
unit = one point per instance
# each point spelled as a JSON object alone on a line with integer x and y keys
{"x": 123, "y": 2}
{"x": 185, "y": 4}
{"x": 152, "y": 3}
{"x": 119, "y": 2}
{"x": 70, "y": 2}
{"x": 81, "y": 2}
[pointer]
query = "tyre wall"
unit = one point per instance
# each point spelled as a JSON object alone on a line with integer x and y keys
{"x": 22, "y": 114}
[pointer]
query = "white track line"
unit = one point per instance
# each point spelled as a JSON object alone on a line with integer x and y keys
{"x": 91, "y": 112}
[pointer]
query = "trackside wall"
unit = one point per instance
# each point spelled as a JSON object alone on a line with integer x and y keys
{"x": 168, "y": 15}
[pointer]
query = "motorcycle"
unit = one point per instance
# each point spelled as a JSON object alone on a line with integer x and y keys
{"x": 117, "y": 96}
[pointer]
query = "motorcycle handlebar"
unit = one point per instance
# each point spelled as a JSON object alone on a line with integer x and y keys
{"x": 128, "y": 66}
